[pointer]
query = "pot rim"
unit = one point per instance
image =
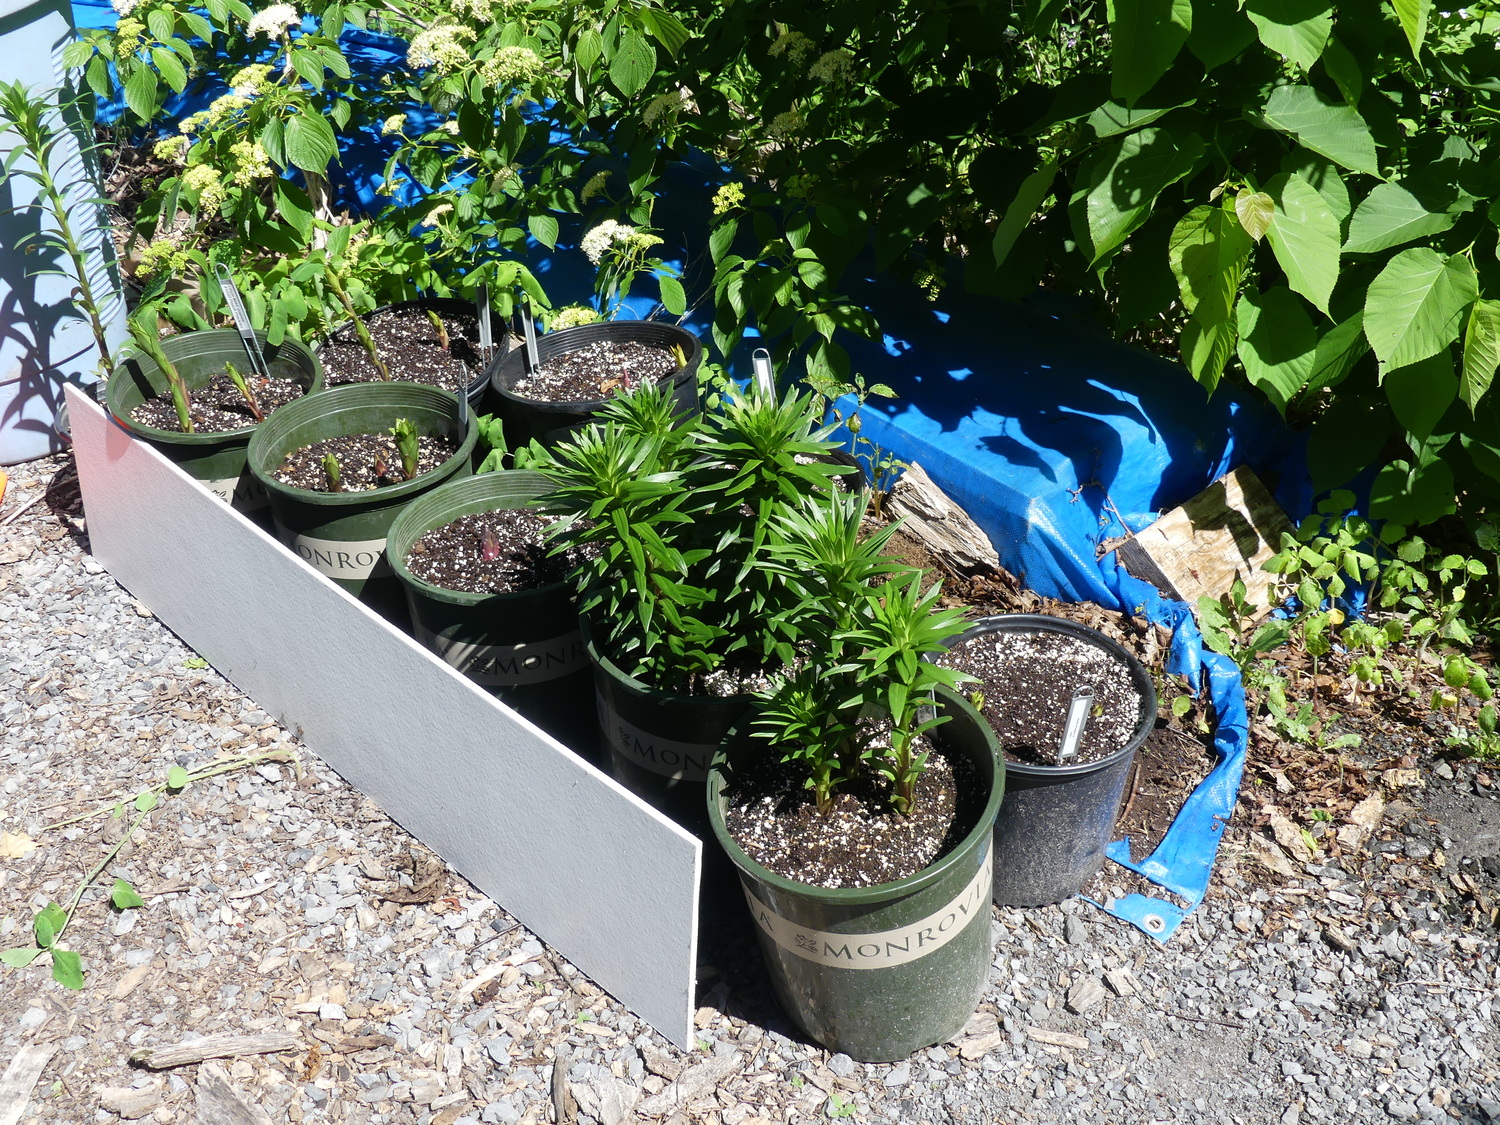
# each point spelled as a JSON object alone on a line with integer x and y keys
{"x": 442, "y": 304}
{"x": 1047, "y": 623}
{"x": 580, "y": 335}
{"x": 981, "y": 835}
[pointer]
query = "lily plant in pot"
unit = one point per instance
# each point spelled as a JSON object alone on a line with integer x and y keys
{"x": 857, "y": 801}
{"x": 682, "y": 614}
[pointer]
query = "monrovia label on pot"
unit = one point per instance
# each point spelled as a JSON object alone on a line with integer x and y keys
{"x": 348, "y": 559}
{"x": 244, "y": 493}
{"x": 884, "y": 948}
{"x": 687, "y": 761}
{"x": 534, "y": 662}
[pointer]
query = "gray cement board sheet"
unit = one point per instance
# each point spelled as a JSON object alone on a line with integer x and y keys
{"x": 593, "y": 870}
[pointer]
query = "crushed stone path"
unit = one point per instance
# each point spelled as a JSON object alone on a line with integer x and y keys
{"x": 281, "y": 904}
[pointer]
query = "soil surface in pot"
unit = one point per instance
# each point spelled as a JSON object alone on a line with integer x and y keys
{"x": 595, "y": 371}
{"x": 1028, "y": 681}
{"x": 366, "y": 461}
{"x": 862, "y": 841}
{"x": 457, "y": 555}
{"x": 218, "y": 407}
{"x": 411, "y": 350}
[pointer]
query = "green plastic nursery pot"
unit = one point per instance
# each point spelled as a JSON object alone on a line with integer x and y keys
{"x": 879, "y": 972}
{"x": 342, "y": 534}
{"x": 660, "y": 744}
{"x": 527, "y": 418}
{"x": 524, "y": 647}
{"x": 217, "y": 460}
{"x": 1050, "y": 839}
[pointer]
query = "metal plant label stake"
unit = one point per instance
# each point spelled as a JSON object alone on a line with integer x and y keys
{"x": 528, "y": 330}
{"x": 1079, "y": 710}
{"x": 482, "y": 310}
{"x": 765, "y": 381}
{"x": 241, "y": 320}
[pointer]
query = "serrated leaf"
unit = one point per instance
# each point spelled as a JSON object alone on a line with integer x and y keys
{"x": 1404, "y": 496}
{"x": 1297, "y": 30}
{"x": 1255, "y": 211}
{"x": 1415, "y": 307}
{"x": 1145, "y": 36}
{"x": 67, "y": 968}
{"x": 721, "y": 238}
{"x": 667, "y": 29}
{"x": 1220, "y": 32}
{"x": 1389, "y": 216}
{"x": 1412, "y": 15}
{"x": 1421, "y": 393}
{"x": 1120, "y": 185}
{"x": 633, "y": 64}
{"x": 1481, "y": 351}
{"x": 1304, "y": 236}
{"x": 1345, "y": 70}
{"x": 1112, "y": 118}
{"x": 1277, "y": 343}
{"x": 1018, "y": 215}
{"x": 19, "y": 956}
{"x": 124, "y": 897}
{"x": 1335, "y": 131}
{"x": 76, "y": 54}
{"x": 310, "y": 144}
{"x": 1207, "y": 253}
{"x": 307, "y": 64}
{"x": 673, "y": 298}
{"x": 543, "y": 228}
{"x": 140, "y": 92}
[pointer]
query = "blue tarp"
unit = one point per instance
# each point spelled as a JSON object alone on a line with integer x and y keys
{"x": 1051, "y": 436}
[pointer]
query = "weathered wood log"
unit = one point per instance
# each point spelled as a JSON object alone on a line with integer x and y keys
{"x": 942, "y": 526}
{"x": 225, "y": 1045}
{"x": 219, "y": 1103}
{"x": 1225, "y": 532}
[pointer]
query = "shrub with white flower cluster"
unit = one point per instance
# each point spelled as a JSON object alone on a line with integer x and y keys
{"x": 572, "y": 316}
{"x": 612, "y": 235}
{"x": 441, "y": 48}
{"x": 511, "y": 67}
{"x": 273, "y": 21}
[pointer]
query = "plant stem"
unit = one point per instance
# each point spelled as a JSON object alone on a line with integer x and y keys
{"x": 360, "y": 329}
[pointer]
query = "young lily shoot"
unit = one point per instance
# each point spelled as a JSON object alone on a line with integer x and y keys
{"x": 331, "y": 471}
{"x": 143, "y": 334}
{"x": 245, "y": 392}
{"x": 407, "y": 445}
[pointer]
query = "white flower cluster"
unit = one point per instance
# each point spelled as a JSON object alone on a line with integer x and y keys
{"x": 786, "y": 126}
{"x": 835, "y": 68}
{"x": 273, "y": 21}
{"x": 480, "y": 11}
{"x": 393, "y": 124}
{"x": 511, "y": 67}
{"x": 209, "y": 185}
{"x": 595, "y": 186}
{"x": 251, "y": 81}
{"x": 250, "y": 163}
{"x": 794, "y": 45}
{"x": 441, "y": 48}
{"x": 667, "y": 106}
{"x": 431, "y": 218}
{"x": 123, "y": 7}
{"x": 598, "y": 242}
{"x": 219, "y": 110}
{"x": 572, "y": 317}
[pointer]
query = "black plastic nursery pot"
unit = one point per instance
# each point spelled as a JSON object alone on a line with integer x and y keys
{"x": 660, "y": 744}
{"x": 879, "y": 972}
{"x": 217, "y": 460}
{"x": 1050, "y": 837}
{"x": 342, "y": 534}
{"x": 525, "y": 647}
{"x": 444, "y": 306}
{"x": 528, "y": 418}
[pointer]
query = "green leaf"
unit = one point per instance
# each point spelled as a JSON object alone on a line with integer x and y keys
{"x": 1145, "y": 36}
{"x": 76, "y": 54}
{"x": 140, "y": 92}
{"x": 1345, "y": 71}
{"x": 1018, "y": 215}
{"x": 171, "y": 67}
{"x": 543, "y": 228}
{"x": 293, "y": 205}
{"x": 1389, "y": 216}
{"x": 20, "y": 956}
{"x": 1277, "y": 343}
{"x": 1413, "y": 17}
{"x": 1207, "y": 253}
{"x": 1206, "y": 342}
{"x": 159, "y": 21}
{"x": 276, "y": 329}
{"x": 124, "y": 897}
{"x": 335, "y": 61}
{"x": 666, "y": 28}
{"x": 673, "y": 298}
{"x": 271, "y": 138}
{"x": 177, "y": 778}
{"x": 49, "y": 923}
{"x": 1112, "y": 118}
{"x": 1339, "y": 349}
{"x": 1415, "y": 307}
{"x": 145, "y": 801}
{"x": 1481, "y": 351}
{"x": 1336, "y": 131}
{"x": 1297, "y": 30}
{"x": 307, "y": 64}
{"x": 721, "y": 238}
{"x": 1304, "y": 236}
{"x": 1421, "y": 393}
{"x": 1255, "y": 211}
{"x": 1121, "y": 183}
{"x": 67, "y": 968}
{"x": 633, "y": 64}
{"x": 310, "y": 143}
{"x": 1220, "y": 32}
{"x": 1405, "y": 496}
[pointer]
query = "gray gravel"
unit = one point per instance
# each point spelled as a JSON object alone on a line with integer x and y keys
{"x": 277, "y": 899}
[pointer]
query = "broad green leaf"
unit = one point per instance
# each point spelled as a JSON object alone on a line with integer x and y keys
{"x": 1220, "y": 32}
{"x": 20, "y": 956}
{"x": 276, "y": 329}
{"x": 1339, "y": 349}
{"x": 1207, "y": 253}
{"x": 171, "y": 67}
{"x": 1112, "y": 118}
{"x": 1028, "y": 198}
{"x": 124, "y": 897}
{"x": 145, "y": 800}
{"x": 1336, "y": 131}
{"x": 633, "y": 64}
{"x": 667, "y": 29}
{"x": 1345, "y": 71}
{"x": 1413, "y": 16}
{"x": 1481, "y": 351}
{"x": 721, "y": 238}
{"x": 1277, "y": 343}
{"x": 159, "y": 21}
{"x": 1122, "y": 182}
{"x": 309, "y": 65}
{"x": 1304, "y": 236}
{"x": 49, "y": 923}
{"x": 310, "y": 144}
{"x": 1404, "y": 496}
{"x": 1206, "y": 344}
{"x": 1324, "y": 176}
{"x": 1415, "y": 307}
{"x": 1389, "y": 216}
{"x": 1297, "y": 30}
{"x": 140, "y": 92}
{"x": 673, "y": 298}
{"x": 543, "y": 228}
{"x": 67, "y": 968}
{"x": 1145, "y": 36}
{"x": 293, "y": 206}
{"x": 1255, "y": 210}
{"x": 76, "y": 53}
{"x": 177, "y": 778}
{"x": 1421, "y": 393}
